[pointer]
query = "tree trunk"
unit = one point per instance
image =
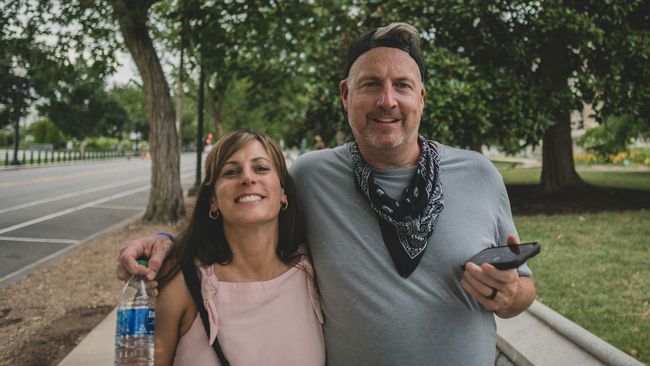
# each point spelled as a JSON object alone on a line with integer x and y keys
{"x": 166, "y": 195}
{"x": 558, "y": 168}
{"x": 215, "y": 101}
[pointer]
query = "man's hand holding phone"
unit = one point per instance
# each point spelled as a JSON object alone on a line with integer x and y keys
{"x": 496, "y": 290}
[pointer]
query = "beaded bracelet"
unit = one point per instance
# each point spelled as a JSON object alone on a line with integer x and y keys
{"x": 167, "y": 235}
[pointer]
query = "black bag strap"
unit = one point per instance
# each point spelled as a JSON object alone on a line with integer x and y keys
{"x": 193, "y": 284}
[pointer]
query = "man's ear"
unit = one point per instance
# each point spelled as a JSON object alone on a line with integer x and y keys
{"x": 344, "y": 90}
{"x": 423, "y": 92}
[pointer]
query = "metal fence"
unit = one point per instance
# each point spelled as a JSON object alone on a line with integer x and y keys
{"x": 27, "y": 157}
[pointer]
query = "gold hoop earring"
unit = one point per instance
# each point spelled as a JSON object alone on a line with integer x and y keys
{"x": 284, "y": 205}
{"x": 214, "y": 215}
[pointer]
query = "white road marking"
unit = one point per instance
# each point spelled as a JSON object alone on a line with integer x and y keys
{"x": 11, "y": 277}
{"x": 65, "y": 176}
{"x": 72, "y": 194}
{"x": 73, "y": 244}
{"x": 77, "y": 208}
{"x": 40, "y": 240}
{"x": 118, "y": 207}
{"x": 72, "y": 209}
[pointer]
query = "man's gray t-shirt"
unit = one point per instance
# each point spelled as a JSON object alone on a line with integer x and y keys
{"x": 373, "y": 316}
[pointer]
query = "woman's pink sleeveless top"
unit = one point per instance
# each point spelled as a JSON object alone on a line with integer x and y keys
{"x": 275, "y": 322}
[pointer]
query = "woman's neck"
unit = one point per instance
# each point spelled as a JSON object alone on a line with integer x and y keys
{"x": 254, "y": 255}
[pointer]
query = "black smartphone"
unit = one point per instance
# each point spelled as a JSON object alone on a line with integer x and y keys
{"x": 506, "y": 257}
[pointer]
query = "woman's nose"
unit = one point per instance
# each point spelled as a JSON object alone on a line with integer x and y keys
{"x": 247, "y": 177}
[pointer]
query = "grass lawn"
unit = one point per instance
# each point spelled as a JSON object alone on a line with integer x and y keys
{"x": 631, "y": 180}
{"x": 595, "y": 268}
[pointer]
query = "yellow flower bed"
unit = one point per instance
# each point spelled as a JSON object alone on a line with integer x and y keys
{"x": 588, "y": 158}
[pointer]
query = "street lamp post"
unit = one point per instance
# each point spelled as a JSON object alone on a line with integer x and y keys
{"x": 199, "y": 135}
{"x": 19, "y": 73}
{"x": 16, "y": 114}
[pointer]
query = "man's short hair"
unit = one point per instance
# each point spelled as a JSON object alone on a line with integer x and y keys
{"x": 396, "y": 35}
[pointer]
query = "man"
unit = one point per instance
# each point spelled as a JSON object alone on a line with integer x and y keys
{"x": 391, "y": 218}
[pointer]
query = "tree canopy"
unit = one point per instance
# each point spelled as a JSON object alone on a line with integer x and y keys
{"x": 502, "y": 73}
{"x": 509, "y": 74}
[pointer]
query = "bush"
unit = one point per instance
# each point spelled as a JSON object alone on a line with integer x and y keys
{"x": 609, "y": 138}
{"x": 634, "y": 156}
{"x": 46, "y": 132}
{"x": 101, "y": 143}
{"x": 640, "y": 155}
{"x": 6, "y": 138}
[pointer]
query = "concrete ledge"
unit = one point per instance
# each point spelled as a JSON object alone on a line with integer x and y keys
{"x": 541, "y": 336}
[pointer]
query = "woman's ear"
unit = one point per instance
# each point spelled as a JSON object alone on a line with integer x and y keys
{"x": 213, "y": 204}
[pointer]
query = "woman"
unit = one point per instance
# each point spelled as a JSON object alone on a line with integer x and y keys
{"x": 256, "y": 282}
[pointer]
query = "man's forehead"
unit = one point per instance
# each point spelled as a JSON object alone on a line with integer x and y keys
{"x": 383, "y": 61}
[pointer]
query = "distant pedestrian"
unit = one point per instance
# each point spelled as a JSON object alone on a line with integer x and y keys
{"x": 319, "y": 143}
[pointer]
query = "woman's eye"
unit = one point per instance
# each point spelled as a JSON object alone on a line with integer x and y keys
{"x": 262, "y": 168}
{"x": 229, "y": 172}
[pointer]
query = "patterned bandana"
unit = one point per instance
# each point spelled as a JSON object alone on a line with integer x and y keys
{"x": 406, "y": 224}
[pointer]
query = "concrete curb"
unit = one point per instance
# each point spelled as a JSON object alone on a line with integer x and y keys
{"x": 540, "y": 336}
{"x": 597, "y": 347}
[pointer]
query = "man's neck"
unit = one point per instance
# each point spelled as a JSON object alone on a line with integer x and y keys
{"x": 398, "y": 157}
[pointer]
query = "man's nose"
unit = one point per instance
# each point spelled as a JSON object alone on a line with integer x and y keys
{"x": 387, "y": 98}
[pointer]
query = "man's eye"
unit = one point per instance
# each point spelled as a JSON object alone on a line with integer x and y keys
{"x": 370, "y": 84}
{"x": 403, "y": 86}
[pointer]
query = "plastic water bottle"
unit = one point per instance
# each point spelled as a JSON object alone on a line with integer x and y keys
{"x": 134, "y": 342}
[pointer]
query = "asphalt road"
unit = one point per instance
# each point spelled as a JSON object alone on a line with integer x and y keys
{"x": 45, "y": 212}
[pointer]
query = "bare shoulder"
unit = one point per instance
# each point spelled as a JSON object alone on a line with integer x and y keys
{"x": 175, "y": 289}
{"x": 175, "y": 304}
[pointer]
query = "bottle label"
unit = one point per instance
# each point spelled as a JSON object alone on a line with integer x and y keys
{"x": 135, "y": 321}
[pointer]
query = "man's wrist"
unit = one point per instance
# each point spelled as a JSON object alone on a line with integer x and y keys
{"x": 165, "y": 234}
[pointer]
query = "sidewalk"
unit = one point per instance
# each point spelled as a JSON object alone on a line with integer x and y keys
{"x": 539, "y": 336}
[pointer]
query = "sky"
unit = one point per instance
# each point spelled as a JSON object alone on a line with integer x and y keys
{"x": 126, "y": 71}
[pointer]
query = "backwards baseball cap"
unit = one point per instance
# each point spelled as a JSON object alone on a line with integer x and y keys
{"x": 365, "y": 42}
